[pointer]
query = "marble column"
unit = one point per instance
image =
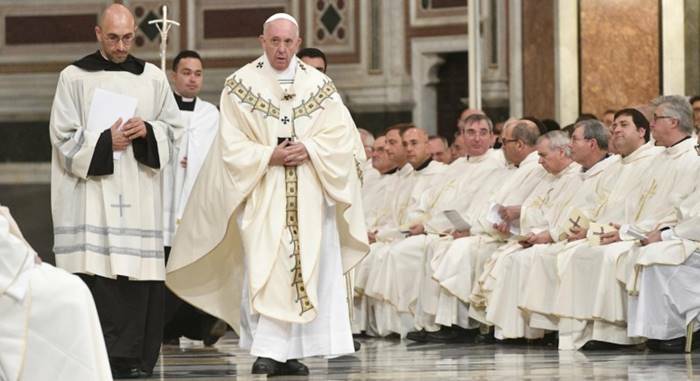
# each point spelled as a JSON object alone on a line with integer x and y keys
{"x": 619, "y": 50}
{"x": 538, "y": 58}
{"x": 692, "y": 47}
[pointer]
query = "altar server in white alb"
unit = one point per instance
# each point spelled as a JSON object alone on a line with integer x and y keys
{"x": 201, "y": 121}
{"x": 106, "y": 187}
{"x": 274, "y": 208}
{"x": 49, "y": 329}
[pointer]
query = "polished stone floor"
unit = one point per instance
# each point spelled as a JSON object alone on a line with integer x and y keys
{"x": 380, "y": 359}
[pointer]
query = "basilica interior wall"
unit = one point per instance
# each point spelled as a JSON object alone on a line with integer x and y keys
{"x": 619, "y": 53}
{"x": 373, "y": 48}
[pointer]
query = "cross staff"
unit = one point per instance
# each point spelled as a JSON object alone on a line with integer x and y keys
{"x": 164, "y": 26}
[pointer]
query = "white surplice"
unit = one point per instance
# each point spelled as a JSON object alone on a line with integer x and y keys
{"x": 49, "y": 329}
{"x": 201, "y": 126}
{"x": 109, "y": 225}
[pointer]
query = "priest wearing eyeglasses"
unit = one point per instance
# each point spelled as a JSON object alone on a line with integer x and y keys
{"x": 106, "y": 187}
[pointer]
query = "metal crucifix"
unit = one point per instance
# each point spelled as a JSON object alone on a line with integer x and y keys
{"x": 164, "y": 26}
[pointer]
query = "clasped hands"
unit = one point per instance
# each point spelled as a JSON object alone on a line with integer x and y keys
{"x": 536, "y": 239}
{"x": 289, "y": 154}
{"x": 122, "y": 135}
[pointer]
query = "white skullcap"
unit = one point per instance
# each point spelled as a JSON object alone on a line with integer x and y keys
{"x": 282, "y": 16}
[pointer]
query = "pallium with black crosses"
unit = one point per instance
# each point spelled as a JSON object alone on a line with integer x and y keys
{"x": 315, "y": 101}
{"x": 246, "y": 95}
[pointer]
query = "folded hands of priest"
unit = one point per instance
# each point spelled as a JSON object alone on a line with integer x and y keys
{"x": 134, "y": 128}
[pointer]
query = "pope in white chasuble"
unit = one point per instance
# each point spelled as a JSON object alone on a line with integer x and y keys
{"x": 272, "y": 222}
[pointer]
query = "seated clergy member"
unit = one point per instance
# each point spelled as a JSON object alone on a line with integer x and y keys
{"x": 49, "y": 329}
{"x": 589, "y": 143}
{"x": 568, "y": 307}
{"x": 389, "y": 162}
{"x": 403, "y": 213}
{"x": 597, "y": 201}
{"x": 664, "y": 296}
{"x": 453, "y": 190}
{"x": 648, "y": 206}
{"x": 375, "y": 188}
{"x": 456, "y": 264}
{"x": 505, "y": 274}
{"x": 439, "y": 149}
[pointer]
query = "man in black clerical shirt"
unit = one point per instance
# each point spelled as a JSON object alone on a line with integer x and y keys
{"x": 201, "y": 123}
{"x": 105, "y": 188}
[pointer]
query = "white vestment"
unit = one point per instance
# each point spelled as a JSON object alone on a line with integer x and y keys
{"x": 247, "y": 219}
{"x": 459, "y": 265}
{"x": 646, "y": 202}
{"x": 668, "y": 300}
{"x": 49, "y": 329}
{"x": 109, "y": 225}
{"x": 504, "y": 284}
{"x": 543, "y": 278}
{"x": 663, "y": 281}
{"x": 404, "y": 259}
{"x": 405, "y": 213}
{"x": 201, "y": 126}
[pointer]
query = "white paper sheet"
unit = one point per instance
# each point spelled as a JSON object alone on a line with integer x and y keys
{"x": 495, "y": 218}
{"x": 456, "y": 220}
{"x": 106, "y": 108}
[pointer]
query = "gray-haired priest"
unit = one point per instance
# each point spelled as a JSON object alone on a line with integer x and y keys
{"x": 113, "y": 125}
{"x": 274, "y": 219}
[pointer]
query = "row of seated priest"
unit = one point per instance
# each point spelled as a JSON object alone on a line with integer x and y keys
{"x": 583, "y": 238}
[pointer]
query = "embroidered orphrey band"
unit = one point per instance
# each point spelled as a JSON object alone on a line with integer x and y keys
{"x": 291, "y": 190}
{"x": 245, "y": 95}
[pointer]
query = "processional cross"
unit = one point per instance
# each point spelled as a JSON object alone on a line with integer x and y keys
{"x": 164, "y": 26}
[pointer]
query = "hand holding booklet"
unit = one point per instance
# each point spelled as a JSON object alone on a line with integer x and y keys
{"x": 106, "y": 107}
{"x": 456, "y": 220}
{"x": 577, "y": 220}
{"x": 596, "y": 230}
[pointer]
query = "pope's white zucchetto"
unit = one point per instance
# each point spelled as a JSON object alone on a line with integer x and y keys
{"x": 282, "y": 16}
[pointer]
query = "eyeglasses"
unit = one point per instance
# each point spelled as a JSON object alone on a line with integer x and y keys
{"x": 506, "y": 141}
{"x": 657, "y": 117}
{"x": 114, "y": 39}
{"x": 577, "y": 139}
{"x": 276, "y": 42}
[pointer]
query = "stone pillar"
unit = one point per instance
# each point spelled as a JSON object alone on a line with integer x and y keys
{"x": 619, "y": 45}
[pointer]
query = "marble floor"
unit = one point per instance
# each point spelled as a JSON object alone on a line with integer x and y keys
{"x": 380, "y": 359}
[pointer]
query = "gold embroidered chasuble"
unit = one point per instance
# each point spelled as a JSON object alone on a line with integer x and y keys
{"x": 243, "y": 212}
